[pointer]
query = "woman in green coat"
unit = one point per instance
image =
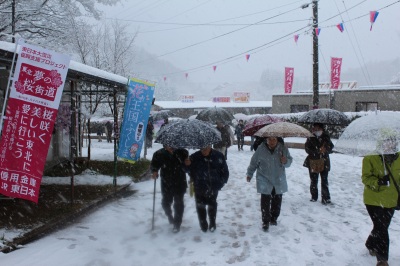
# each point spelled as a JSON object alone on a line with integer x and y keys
{"x": 380, "y": 197}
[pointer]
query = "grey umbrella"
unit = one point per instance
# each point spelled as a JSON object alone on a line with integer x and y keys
{"x": 215, "y": 114}
{"x": 324, "y": 116}
{"x": 190, "y": 134}
{"x": 365, "y": 135}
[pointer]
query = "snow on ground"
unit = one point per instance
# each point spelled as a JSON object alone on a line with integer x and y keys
{"x": 308, "y": 233}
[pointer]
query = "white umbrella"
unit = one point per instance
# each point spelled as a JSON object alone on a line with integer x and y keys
{"x": 364, "y": 135}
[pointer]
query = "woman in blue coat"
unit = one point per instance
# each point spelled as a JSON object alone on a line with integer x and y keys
{"x": 270, "y": 160}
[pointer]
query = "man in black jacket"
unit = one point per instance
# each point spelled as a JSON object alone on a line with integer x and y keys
{"x": 170, "y": 162}
{"x": 209, "y": 173}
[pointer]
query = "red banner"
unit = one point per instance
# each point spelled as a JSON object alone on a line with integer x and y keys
{"x": 289, "y": 74}
{"x": 336, "y": 66}
{"x": 29, "y": 120}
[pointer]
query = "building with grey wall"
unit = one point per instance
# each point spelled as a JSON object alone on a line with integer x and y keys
{"x": 384, "y": 98}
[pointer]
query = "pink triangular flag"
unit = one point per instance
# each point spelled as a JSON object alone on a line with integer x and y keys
{"x": 296, "y": 38}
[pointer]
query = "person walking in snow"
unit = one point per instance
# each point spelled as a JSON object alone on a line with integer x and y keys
{"x": 149, "y": 134}
{"x": 171, "y": 164}
{"x": 109, "y": 129}
{"x": 380, "y": 176}
{"x": 239, "y": 134}
{"x": 318, "y": 149}
{"x": 270, "y": 161}
{"x": 209, "y": 173}
{"x": 225, "y": 142}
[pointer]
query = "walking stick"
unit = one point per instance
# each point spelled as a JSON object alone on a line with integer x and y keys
{"x": 154, "y": 204}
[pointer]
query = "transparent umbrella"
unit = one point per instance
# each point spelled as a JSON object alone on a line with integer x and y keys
{"x": 364, "y": 136}
{"x": 253, "y": 125}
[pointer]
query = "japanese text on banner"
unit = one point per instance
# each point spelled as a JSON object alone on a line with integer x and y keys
{"x": 336, "y": 66}
{"x": 136, "y": 114}
{"x": 289, "y": 74}
{"x": 30, "y": 115}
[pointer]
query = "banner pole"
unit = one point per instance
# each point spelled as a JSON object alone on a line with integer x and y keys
{"x": 11, "y": 76}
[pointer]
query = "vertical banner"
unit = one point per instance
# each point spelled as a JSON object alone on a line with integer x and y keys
{"x": 29, "y": 120}
{"x": 136, "y": 113}
{"x": 336, "y": 66}
{"x": 289, "y": 73}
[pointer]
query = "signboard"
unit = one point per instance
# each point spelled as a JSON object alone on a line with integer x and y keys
{"x": 289, "y": 74}
{"x": 241, "y": 97}
{"x": 187, "y": 98}
{"x": 29, "y": 120}
{"x": 136, "y": 114}
{"x": 221, "y": 99}
{"x": 336, "y": 66}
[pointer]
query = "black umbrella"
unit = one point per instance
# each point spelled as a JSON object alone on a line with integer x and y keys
{"x": 161, "y": 115}
{"x": 190, "y": 134}
{"x": 324, "y": 116}
{"x": 215, "y": 114}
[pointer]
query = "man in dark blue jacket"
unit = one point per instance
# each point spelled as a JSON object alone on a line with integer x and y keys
{"x": 209, "y": 173}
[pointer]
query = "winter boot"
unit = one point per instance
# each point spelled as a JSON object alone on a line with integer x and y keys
{"x": 382, "y": 263}
{"x": 265, "y": 227}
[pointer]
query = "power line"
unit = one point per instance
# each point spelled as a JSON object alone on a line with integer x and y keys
{"x": 250, "y": 51}
{"x": 216, "y": 37}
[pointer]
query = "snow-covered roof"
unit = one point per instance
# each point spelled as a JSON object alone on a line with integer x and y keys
{"x": 207, "y": 104}
{"x": 78, "y": 67}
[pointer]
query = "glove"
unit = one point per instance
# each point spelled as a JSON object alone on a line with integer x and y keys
{"x": 384, "y": 181}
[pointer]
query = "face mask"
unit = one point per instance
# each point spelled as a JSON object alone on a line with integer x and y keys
{"x": 318, "y": 133}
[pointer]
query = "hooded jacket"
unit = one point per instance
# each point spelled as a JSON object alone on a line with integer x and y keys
{"x": 209, "y": 173}
{"x": 270, "y": 171}
{"x": 372, "y": 171}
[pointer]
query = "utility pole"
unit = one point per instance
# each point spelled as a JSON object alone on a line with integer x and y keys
{"x": 315, "y": 56}
{"x": 13, "y": 20}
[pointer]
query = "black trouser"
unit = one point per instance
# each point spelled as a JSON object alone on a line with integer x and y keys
{"x": 203, "y": 199}
{"x": 179, "y": 206}
{"x": 270, "y": 207}
{"x": 378, "y": 239}
{"x": 325, "y": 195}
{"x": 240, "y": 141}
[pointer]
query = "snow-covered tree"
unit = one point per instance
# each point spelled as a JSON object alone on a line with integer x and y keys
{"x": 396, "y": 79}
{"x": 45, "y": 21}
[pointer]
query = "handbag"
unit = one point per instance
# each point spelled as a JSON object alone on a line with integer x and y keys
{"x": 317, "y": 165}
{"x": 397, "y": 208}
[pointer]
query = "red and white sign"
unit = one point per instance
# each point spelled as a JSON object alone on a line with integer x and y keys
{"x": 289, "y": 74}
{"x": 241, "y": 97}
{"x": 336, "y": 66}
{"x": 29, "y": 120}
{"x": 221, "y": 99}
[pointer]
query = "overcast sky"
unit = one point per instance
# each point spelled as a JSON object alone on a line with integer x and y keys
{"x": 195, "y": 35}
